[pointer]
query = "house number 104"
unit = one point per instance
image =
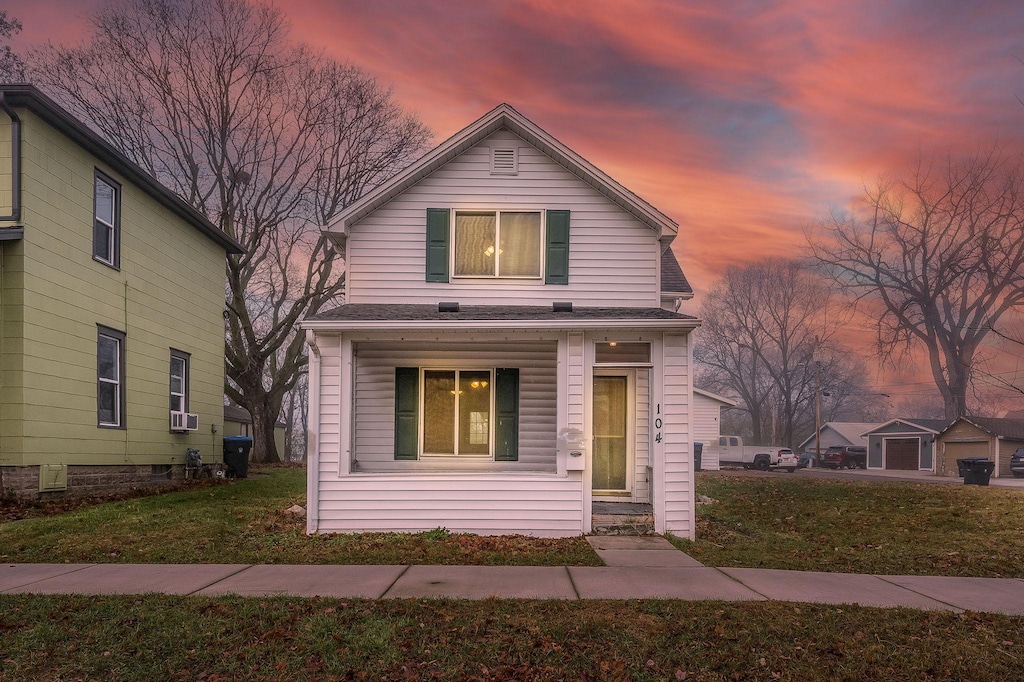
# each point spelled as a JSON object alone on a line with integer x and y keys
{"x": 657, "y": 425}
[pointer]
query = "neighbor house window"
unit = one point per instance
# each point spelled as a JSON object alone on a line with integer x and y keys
{"x": 110, "y": 397}
{"x": 498, "y": 244}
{"x": 179, "y": 381}
{"x": 106, "y": 234}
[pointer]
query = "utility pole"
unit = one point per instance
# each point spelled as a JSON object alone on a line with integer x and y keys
{"x": 817, "y": 404}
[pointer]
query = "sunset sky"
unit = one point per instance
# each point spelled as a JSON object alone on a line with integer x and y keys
{"x": 744, "y": 121}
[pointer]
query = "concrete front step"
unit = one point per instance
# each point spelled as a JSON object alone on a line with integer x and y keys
{"x": 623, "y": 524}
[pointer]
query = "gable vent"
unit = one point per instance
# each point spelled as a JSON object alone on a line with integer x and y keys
{"x": 504, "y": 161}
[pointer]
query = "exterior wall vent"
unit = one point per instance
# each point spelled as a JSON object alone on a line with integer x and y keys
{"x": 53, "y": 477}
{"x": 504, "y": 161}
{"x": 448, "y": 307}
{"x": 562, "y": 306}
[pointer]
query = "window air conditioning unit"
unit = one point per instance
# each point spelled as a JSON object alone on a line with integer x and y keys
{"x": 184, "y": 421}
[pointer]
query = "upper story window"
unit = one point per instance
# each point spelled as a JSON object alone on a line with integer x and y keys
{"x": 110, "y": 398}
{"x": 470, "y": 244}
{"x": 106, "y": 234}
{"x": 498, "y": 244}
{"x": 179, "y": 381}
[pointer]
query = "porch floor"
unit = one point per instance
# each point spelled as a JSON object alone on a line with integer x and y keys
{"x": 622, "y": 518}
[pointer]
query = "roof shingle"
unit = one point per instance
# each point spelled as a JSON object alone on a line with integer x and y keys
{"x": 427, "y": 312}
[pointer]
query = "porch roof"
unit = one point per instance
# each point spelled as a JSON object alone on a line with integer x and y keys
{"x": 363, "y": 315}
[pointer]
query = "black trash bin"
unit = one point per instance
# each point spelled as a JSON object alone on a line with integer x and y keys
{"x": 236, "y": 455}
{"x": 698, "y": 448}
{"x": 977, "y": 470}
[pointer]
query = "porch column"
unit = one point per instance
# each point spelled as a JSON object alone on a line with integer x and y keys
{"x": 571, "y": 411}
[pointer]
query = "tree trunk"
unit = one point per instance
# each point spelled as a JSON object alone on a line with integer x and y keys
{"x": 264, "y": 447}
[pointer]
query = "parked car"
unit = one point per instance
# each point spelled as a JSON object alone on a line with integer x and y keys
{"x": 1017, "y": 463}
{"x": 846, "y": 457}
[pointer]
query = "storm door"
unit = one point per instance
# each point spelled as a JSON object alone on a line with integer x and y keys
{"x": 611, "y": 434}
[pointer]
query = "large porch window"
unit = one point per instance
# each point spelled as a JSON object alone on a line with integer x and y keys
{"x": 457, "y": 412}
{"x": 467, "y": 413}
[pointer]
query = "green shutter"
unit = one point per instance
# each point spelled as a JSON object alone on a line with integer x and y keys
{"x": 437, "y": 244}
{"x": 557, "y": 261}
{"x": 506, "y": 407}
{"x": 407, "y": 404}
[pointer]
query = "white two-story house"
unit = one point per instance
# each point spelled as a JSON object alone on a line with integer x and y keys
{"x": 509, "y": 350}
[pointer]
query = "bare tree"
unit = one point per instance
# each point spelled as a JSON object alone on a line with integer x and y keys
{"x": 267, "y": 138}
{"x": 938, "y": 255}
{"x": 296, "y": 419}
{"x": 768, "y": 327}
{"x": 12, "y": 70}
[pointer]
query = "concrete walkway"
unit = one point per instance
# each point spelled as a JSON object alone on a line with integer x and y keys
{"x": 627, "y": 578}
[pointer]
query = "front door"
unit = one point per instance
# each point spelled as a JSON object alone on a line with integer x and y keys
{"x": 611, "y": 434}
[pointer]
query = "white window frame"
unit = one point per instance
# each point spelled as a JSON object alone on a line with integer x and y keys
{"x": 117, "y": 381}
{"x": 497, "y": 240}
{"x": 423, "y": 411}
{"x": 185, "y": 359}
{"x": 112, "y": 257}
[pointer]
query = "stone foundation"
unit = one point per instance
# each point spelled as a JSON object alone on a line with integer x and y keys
{"x": 85, "y": 480}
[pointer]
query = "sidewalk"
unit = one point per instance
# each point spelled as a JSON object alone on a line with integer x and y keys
{"x": 639, "y": 568}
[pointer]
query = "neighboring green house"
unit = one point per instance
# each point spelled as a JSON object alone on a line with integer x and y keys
{"x": 111, "y": 312}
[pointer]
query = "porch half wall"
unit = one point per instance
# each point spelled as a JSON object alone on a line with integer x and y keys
{"x": 482, "y": 503}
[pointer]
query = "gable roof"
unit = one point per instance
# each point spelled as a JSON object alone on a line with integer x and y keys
{"x": 715, "y": 397}
{"x": 673, "y": 281}
{"x": 1005, "y": 428}
{"x": 853, "y": 432}
{"x": 31, "y": 98}
{"x": 504, "y": 116}
{"x": 930, "y": 425}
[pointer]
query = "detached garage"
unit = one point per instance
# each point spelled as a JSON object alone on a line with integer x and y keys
{"x": 904, "y": 444}
{"x": 707, "y": 425}
{"x": 988, "y": 437}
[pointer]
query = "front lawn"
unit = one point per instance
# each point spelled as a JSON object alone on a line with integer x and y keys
{"x": 882, "y": 527}
{"x": 233, "y": 638}
{"x": 245, "y": 522}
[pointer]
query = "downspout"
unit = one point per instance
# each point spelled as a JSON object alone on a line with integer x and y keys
{"x": 15, "y": 214}
{"x": 312, "y": 439}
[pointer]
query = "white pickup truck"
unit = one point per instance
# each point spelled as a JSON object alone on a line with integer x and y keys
{"x": 732, "y": 451}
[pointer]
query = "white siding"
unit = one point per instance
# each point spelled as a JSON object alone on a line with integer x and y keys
{"x": 374, "y": 409}
{"x": 544, "y": 505}
{"x": 707, "y": 414}
{"x": 678, "y": 453}
{"x": 330, "y": 404}
{"x": 641, "y": 489}
{"x": 614, "y": 259}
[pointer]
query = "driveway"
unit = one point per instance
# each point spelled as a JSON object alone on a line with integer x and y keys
{"x": 876, "y": 475}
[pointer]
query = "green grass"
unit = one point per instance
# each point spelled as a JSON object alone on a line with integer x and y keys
{"x": 245, "y": 522}
{"x": 174, "y": 638}
{"x": 791, "y": 522}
